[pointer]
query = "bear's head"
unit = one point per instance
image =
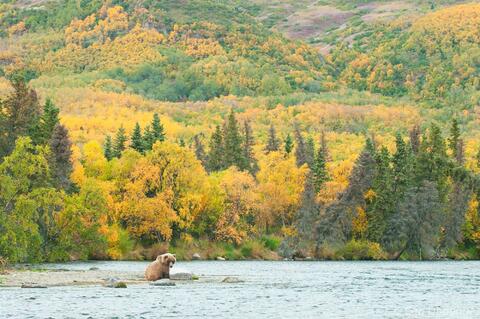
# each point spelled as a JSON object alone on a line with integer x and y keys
{"x": 167, "y": 259}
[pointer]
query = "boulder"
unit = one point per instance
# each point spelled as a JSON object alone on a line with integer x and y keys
{"x": 93, "y": 268}
{"x": 196, "y": 256}
{"x": 231, "y": 280}
{"x": 220, "y": 258}
{"x": 181, "y": 275}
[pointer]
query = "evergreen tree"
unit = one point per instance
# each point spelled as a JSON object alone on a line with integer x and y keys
{"x": 119, "y": 143}
{"x": 233, "y": 154}
{"x": 43, "y": 129}
{"x": 199, "y": 150}
{"x": 288, "y": 144}
{"x": 61, "y": 153}
{"x": 335, "y": 224}
{"x": 108, "y": 148}
{"x": 301, "y": 152}
{"x": 383, "y": 201}
{"x": 454, "y": 137}
{"x": 320, "y": 173}
{"x": 148, "y": 138}
{"x": 310, "y": 151}
{"x": 415, "y": 223}
{"x": 458, "y": 202}
{"x": 157, "y": 129}
{"x": 273, "y": 144}
{"x": 431, "y": 162}
{"x": 402, "y": 163}
{"x": 19, "y": 115}
{"x": 251, "y": 164}
{"x": 308, "y": 212}
{"x": 215, "y": 161}
{"x": 136, "y": 141}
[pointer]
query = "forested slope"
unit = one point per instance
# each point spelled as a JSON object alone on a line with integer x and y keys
{"x": 239, "y": 128}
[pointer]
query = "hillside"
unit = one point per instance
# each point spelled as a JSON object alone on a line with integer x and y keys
{"x": 239, "y": 103}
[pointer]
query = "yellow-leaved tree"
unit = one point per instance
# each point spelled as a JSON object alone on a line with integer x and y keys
{"x": 280, "y": 188}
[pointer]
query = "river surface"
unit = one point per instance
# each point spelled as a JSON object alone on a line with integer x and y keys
{"x": 271, "y": 290}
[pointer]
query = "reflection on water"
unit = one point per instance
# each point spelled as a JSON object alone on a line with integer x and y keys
{"x": 271, "y": 290}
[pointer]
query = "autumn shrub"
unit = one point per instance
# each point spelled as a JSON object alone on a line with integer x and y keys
{"x": 254, "y": 249}
{"x": 361, "y": 250}
{"x": 325, "y": 252}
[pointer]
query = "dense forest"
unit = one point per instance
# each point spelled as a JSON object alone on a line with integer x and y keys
{"x": 127, "y": 128}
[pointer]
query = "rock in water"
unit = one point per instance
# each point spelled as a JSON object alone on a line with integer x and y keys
{"x": 93, "y": 268}
{"x": 220, "y": 258}
{"x": 181, "y": 275}
{"x": 114, "y": 283}
{"x": 232, "y": 280}
{"x": 33, "y": 285}
{"x": 196, "y": 256}
{"x": 162, "y": 283}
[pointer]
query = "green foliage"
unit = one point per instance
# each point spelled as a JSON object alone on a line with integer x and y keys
{"x": 19, "y": 115}
{"x": 288, "y": 144}
{"x": 60, "y": 157}
{"x": 119, "y": 142}
{"x": 108, "y": 148}
{"x": 136, "y": 140}
{"x": 361, "y": 250}
{"x": 271, "y": 242}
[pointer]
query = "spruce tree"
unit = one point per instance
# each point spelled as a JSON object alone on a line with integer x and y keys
{"x": 148, "y": 139}
{"x": 308, "y": 212}
{"x": 233, "y": 144}
{"x": 402, "y": 166}
{"x": 310, "y": 151}
{"x": 454, "y": 137}
{"x": 119, "y": 143}
{"x": 382, "y": 204}
{"x": 136, "y": 140}
{"x": 288, "y": 144}
{"x": 108, "y": 148}
{"x": 42, "y": 132}
{"x": 19, "y": 115}
{"x": 335, "y": 225}
{"x": 199, "y": 150}
{"x": 157, "y": 129}
{"x": 215, "y": 161}
{"x": 251, "y": 164}
{"x": 61, "y": 153}
{"x": 320, "y": 173}
{"x": 301, "y": 153}
{"x": 273, "y": 145}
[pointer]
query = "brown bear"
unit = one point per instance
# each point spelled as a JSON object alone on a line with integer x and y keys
{"x": 160, "y": 268}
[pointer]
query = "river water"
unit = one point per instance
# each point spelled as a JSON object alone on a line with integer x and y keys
{"x": 270, "y": 290}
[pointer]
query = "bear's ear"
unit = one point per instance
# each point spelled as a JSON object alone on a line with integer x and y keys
{"x": 175, "y": 255}
{"x": 162, "y": 258}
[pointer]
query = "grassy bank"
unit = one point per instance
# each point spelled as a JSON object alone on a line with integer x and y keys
{"x": 263, "y": 248}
